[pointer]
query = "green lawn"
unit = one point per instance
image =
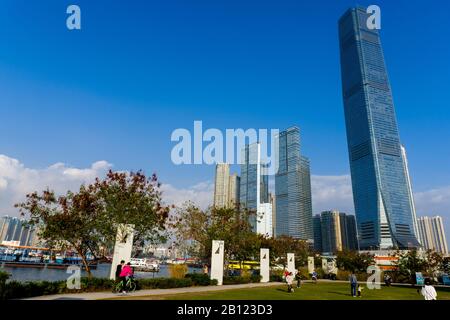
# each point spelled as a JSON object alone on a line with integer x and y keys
{"x": 309, "y": 291}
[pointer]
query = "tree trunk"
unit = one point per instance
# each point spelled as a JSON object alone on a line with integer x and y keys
{"x": 85, "y": 263}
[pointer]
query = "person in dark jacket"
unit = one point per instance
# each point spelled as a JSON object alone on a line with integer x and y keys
{"x": 298, "y": 277}
{"x": 353, "y": 284}
{"x": 119, "y": 269}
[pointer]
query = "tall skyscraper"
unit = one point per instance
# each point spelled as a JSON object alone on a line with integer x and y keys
{"x": 272, "y": 199}
{"x": 254, "y": 189}
{"x": 432, "y": 234}
{"x": 410, "y": 192}
{"x": 381, "y": 196}
{"x": 264, "y": 220}
{"x": 226, "y": 187}
{"x": 293, "y": 188}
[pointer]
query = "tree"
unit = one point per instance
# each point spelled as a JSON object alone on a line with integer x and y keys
{"x": 66, "y": 222}
{"x": 434, "y": 263}
{"x": 354, "y": 261}
{"x": 132, "y": 198}
{"x": 280, "y": 246}
{"x": 409, "y": 263}
{"x": 87, "y": 221}
{"x": 199, "y": 228}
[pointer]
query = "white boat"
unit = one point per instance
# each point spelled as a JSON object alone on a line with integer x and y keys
{"x": 144, "y": 265}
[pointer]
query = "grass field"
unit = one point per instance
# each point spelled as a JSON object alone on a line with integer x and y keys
{"x": 309, "y": 291}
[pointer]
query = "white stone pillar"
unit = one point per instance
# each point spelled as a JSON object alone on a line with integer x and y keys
{"x": 123, "y": 247}
{"x": 217, "y": 254}
{"x": 264, "y": 269}
{"x": 310, "y": 265}
{"x": 291, "y": 262}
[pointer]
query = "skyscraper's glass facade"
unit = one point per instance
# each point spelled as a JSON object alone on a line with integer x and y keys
{"x": 254, "y": 186}
{"x": 293, "y": 188}
{"x": 380, "y": 189}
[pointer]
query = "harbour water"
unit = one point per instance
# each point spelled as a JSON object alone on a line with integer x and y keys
{"x": 102, "y": 271}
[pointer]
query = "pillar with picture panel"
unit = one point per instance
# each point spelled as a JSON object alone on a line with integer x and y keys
{"x": 217, "y": 261}
{"x": 122, "y": 247}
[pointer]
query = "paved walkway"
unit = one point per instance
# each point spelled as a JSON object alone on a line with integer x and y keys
{"x": 158, "y": 292}
{"x": 151, "y": 292}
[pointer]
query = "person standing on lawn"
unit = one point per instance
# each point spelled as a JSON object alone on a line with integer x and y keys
{"x": 428, "y": 291}
{"x": 289, "y": 280}
{"x": 298, "y": 277}
{"x": 353, "y": 284}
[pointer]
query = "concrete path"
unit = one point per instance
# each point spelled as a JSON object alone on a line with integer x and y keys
{"x": 151, "y": 292}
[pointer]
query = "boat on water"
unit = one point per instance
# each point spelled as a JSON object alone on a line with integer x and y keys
{"x": 34, "y": 257}
{"x": 145, "y": 265}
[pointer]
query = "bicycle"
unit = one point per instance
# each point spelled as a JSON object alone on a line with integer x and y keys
{"x": 130, "y": 286}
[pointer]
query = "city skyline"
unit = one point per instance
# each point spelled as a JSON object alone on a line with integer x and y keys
{"x": 129, "y": 107}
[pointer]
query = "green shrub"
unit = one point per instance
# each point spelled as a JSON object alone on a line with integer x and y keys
{"x": 96, "y": 284}
{"x": 4, "y": 276}
{"x": 276, "y": 278}
{"x": 200, "y": 279}
{"x": 17, "y": 290}
{"x": 163, "y": 283}
{"x": 304, "y": 273}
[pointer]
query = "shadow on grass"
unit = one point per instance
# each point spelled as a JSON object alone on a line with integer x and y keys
{"x": 340, "y": 293}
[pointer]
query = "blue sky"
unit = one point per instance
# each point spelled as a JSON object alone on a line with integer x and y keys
{"x": 137, "y": 70}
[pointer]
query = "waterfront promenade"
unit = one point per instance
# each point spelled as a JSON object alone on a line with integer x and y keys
{"x": 151, "y": 292}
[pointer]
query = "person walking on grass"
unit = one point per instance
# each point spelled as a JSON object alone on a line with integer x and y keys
{"x": 314, "y": 276}
{"x": 360, "y": 289}
{"x": 428, "y": 291}
{"x": 289, "y": 280}
{"x": 298, "y": 277}
{"x": 353, "y": 284}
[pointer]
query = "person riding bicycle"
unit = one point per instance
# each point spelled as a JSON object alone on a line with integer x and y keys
{"x": 125, "y": 274}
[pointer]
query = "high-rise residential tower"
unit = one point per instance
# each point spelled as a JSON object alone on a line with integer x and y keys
{"x": 432, "y": 234}
{"x": 226, "y": 187}
{"x": 331, "y": 231}
{"x": 317, "y": 227}
{"x": 221, "y": 186}
{"x": 17, "y": 230}
{"x": 293, "y": 188}
{"x": 334, "y": 231}
{"x": 233, "y": 190}
{"x": 384, "y": 211}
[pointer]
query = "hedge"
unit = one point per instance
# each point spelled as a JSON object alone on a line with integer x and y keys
{"x": 241, "y": 280}
{"x": 201, "y": 279}
{"x": 17, "y": 290}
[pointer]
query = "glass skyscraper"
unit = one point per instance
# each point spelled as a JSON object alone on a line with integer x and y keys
{"x": 254, "y": 185}
{"x": 381, "y": 197}
{"x": 293, "y": 188}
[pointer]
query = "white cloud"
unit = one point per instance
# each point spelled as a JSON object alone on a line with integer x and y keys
{"x": 328, "y": 192}
{"x": 332, "y": 192}
{"x": 201, "y": 194}
{"x": 16, "y": 180}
